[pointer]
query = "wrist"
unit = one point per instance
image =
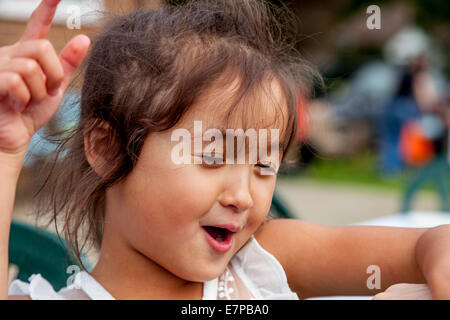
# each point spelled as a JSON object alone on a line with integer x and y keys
{"x": 11, "y": 162}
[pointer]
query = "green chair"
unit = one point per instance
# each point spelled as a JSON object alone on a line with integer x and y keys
{"x": 279, "y": 207}
{"x": 35, "y": 250}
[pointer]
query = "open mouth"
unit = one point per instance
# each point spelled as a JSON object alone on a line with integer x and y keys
{"x": 220, "y": 239}
{"x": 219, "y": 234}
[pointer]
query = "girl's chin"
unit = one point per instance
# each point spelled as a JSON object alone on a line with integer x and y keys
{"x": 205, "y": 274}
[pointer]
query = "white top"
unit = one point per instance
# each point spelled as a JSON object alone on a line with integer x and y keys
{"x": 253, "y": 273}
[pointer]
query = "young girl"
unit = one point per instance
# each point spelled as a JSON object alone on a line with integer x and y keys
{"x": 171, "y": 230}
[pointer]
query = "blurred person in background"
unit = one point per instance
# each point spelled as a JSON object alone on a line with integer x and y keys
{"x": 434, "y": 130}
{"x": 415, "y": 96}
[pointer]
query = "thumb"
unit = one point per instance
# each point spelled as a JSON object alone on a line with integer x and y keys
{"x": 71, "y": 57}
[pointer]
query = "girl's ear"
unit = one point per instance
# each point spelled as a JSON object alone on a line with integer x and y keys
{"x": 96, "y": 147}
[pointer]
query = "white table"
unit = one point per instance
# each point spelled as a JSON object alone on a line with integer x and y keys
{"x": 413, "y": 219}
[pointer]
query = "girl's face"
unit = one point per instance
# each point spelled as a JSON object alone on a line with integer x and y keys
{"x": 161, "y": 208}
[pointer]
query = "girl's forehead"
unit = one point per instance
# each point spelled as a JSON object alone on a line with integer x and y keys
{"x": 227, "y": 107}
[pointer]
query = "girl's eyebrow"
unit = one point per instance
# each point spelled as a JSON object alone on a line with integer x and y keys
{"x": 280, "y": 143}
{"x": 222, "y": 130}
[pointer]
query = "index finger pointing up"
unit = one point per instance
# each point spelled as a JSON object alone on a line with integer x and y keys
{"x": 41, "y": 20}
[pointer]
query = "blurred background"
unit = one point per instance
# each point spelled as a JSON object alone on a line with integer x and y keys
{"x": 374, "y": 143}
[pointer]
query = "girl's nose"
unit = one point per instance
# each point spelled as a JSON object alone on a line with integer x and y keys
{"x": 237, "y": 195}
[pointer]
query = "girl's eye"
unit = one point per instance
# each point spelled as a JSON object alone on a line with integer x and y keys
{"x": 266, "y": 169}
{"x": 211, "y": 161}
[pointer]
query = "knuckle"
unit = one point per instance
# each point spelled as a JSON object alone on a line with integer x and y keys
{"x": 59, "y": 76}
{"x": 30, "y": 67}
{"x": 44, "y": 45}
{"x": 41, "y": 96}
{"x": 14, "y": 81}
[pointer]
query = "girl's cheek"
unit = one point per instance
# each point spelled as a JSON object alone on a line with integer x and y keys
{"x": 192, "y": 192}
{"x": 262, "y": 201}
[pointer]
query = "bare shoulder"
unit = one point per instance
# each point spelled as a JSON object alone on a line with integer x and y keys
{"x": 269, "y": 236}
{"x": 295, "y": 244}
{"x": 278, "y": 235}
{"x": 19, "y": 298}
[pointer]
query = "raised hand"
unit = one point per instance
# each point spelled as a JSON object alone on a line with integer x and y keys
{"x": 33, "y": 79}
